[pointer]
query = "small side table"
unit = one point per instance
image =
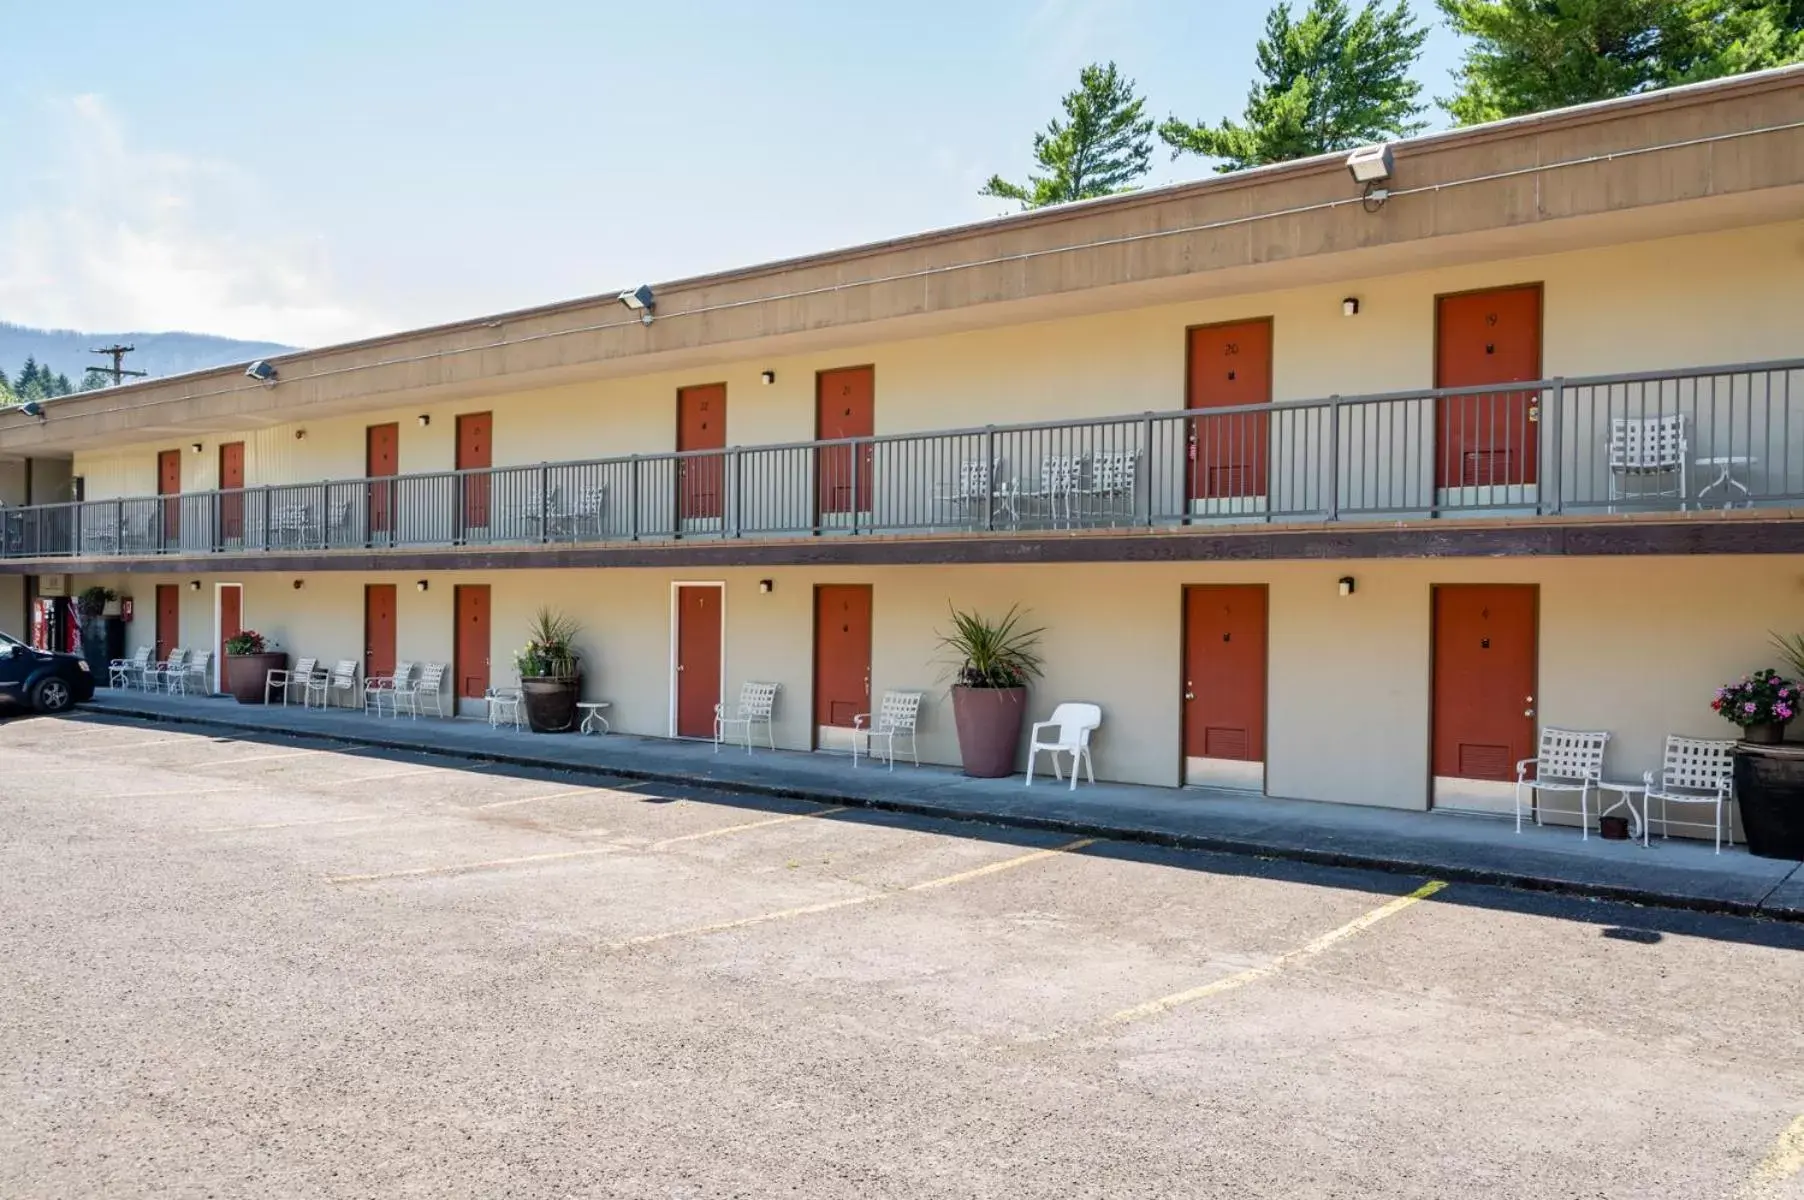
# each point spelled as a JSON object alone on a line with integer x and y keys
{"x": 1625, "y": 798}
{"x": 1725, "y": 479}
{"x": 592, "y": 718}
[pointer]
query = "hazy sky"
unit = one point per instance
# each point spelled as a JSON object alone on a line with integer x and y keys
{"x": 320, "y": 171}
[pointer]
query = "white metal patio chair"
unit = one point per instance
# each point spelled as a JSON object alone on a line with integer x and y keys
{"x": 429, "y": 688}
{"x": 1695, "y": 771}
{"x": 129, "y": 672}
{"x": 288, "y": 679}
{"x": 976, "y": 486}
{"x": 380, "y": 688}
{"x": 1647, "y": 448}
{"x": 1567, "y": 760}
{"x": 1061, "y": 476}
{"x": 757, "y": 706}
{"x": 506, "y": 706}
{"x": 1074, "y": 722}
{"x": 895, "y": 717}
{"x": 1112, "y": 477}
{"x": 191, "y": 680}
{"x": 162, "y": 675}
{"x": 335, "y": 686}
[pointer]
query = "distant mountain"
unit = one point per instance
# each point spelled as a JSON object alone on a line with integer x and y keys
{"x": 67, "y": 352}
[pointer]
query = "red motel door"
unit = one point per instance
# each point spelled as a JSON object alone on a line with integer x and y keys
{"x": 1487, "y": 439}
{"x": 475, "y": 451}
{"x": 1229, "y": 366}
{"x": 378, "y": 630}
{"x": 231, "y": 480}
{"x": 1225, "y": 672}
{"x": 471, "y": 604}
{"x": 701, "y": 425}
{"x": 169, "y": 483}
{"x": 842, "y": 653}
{"x": 231, "y": 624}
{"x": 698, "y": 660}
{"x": 1484, "y": 679}
{"x": 169, "y": 619}
{"x": 845, "y": 407}
{"x": 382, "y": 458}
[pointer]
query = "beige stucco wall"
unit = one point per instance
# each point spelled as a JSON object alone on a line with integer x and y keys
{"x": 1630, "y": 645}
{"x": 1697, "y": 300}
{"x": 12, "y": 605}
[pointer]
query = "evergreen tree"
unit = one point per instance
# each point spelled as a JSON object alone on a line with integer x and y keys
{"x": 1103, "y": 146}
{"x": 93, "y": 379}
{"x": 1329, "y": 81}
{"x": 1532, "y": 55}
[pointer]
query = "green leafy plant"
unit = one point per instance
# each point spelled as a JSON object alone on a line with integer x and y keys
{"x": 93, "y": 601}
{"x": 1763, "y": 698}
{"x": 550, "y": 650}
{"x": 985, "y": 653}
{"x": 1791, "y": 648}
{"x": 247, "y": 642}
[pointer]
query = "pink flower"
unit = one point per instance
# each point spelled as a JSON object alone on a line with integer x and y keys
{"x": 1747, "y": 708}
{"x": 1782, "y": 712}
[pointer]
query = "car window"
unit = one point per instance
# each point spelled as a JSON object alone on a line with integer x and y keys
{"x": 11, "y": 641}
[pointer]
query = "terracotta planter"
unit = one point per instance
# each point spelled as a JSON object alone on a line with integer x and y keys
{"x": 989, "y": 724}
{"x": 1769, "y": 734}
{"x": 551, "y": 703}
{"x": 245, "y": 674}
{"x": 1769, "y": 790}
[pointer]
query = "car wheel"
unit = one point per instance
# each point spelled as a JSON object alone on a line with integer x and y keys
{"x": 52, "y": 696}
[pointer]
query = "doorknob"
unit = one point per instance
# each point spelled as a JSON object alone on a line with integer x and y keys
{"x": 1189, "y": 695}
{"x": 1528, "y": 712}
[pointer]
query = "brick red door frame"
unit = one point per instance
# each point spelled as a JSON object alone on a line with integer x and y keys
{"x": 231, "y": 479}
{"x": 1492, "y": 336}
{"x": 1484, "y": 679}
{"x": 1227, "y": 365}
{"x": 473, "y": 636}
{"x": 1225, "y": 680}
{"x": 381, "y": 461}
{"x": 169, "y": 483}
{"x": 701, "y": 425}
{"x": 842, "y": 653}
{"x": 845, "y": 406}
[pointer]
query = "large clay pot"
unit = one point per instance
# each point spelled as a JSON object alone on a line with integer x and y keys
{"x": 246, "y": 674}
{"x": 551, "y": 703}
{"x": 1772, "y": 733}
{"x": 1769, "y": 790}
{"x": 989, "y": 724}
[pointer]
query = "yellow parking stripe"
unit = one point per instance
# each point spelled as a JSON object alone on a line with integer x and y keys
{"x": 491, "y": 864}
{"x": 765, "y": 824}
{"x": 1779, "y": 1167}
{"x": 829, "y": 905}
{"x": 1333, "y": 937}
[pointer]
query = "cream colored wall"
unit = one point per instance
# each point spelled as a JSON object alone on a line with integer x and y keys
{"x": 1698, "y": 300}
{"x": 1635, "y": 646}
{"x": 12, "y": 606}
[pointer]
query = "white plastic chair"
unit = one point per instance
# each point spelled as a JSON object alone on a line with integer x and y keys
{"x": 1695, "y": 771}
{"x": 341, "y": 681}
{"x": 505, "y": 707}
{"x": 122, "y": 672}
{"x": 381, "y": 687}
{"x": 1568, "y": 760}
{"x": 1643, "y": 447}
{"x": 429, "y": 688}
{"x": 287, "y": 680}
{"x": 895, "y": 717}
{"x": 757, "y": 704}
{"x": 164, "y": 674}
{"x": 1074, "y": 722}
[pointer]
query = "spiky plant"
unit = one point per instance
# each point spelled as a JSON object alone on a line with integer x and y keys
{"x": 985, "y": 653}
{"x": 550, "y": 650}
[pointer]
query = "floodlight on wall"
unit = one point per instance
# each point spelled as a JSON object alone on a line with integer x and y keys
{"x": 262, "y": 372}
{"x": 1371, "y": 166}
{"x": 32, "y": 408}
{"x": 640, "y": 300}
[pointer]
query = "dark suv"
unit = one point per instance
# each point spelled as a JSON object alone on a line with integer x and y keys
{"x": 50, "y": 683}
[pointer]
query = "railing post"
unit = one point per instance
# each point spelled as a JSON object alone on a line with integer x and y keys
{"x": 1556, "y": 404}
{"x": 1146, "y": 443}
{"x": 990, "y": 477}
{"x": 632, "y": 499}
{"x": 734, "y": 461}
{"x": 1334, "y": 458}
{"x": 544, "y": 502}
{"x": 119, "y": 525}
{"x": 857, "y": 453}
{"x": 264, "y": 492}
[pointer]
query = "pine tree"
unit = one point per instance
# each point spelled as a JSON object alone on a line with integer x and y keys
{"x": 94, "y": 378}
{"x": 1103, "y": 146}
{"x": 1329, "y": 81}
{"x": 1532, "y": 55}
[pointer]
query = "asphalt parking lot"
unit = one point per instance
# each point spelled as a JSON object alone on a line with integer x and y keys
{"x": 265, "y": 968}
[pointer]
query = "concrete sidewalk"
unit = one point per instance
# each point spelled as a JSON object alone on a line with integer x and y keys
{"x": 1678, "y": 873}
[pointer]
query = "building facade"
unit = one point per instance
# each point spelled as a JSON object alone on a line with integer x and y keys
{"x": 1318, "y": 493}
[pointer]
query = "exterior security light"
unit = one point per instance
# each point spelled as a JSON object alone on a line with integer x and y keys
{"x": 1350, "y": 307}
{"x": 422, "y": 585}
{"x": 1346, "y": 585}
{"x": 194, "y": 446}
{"x": 1370, "y": 164}
{"x": 641, "y": 301}
{"x": 194, "y": 585}
{"x": 262, "y": 372}
{"x": 425, "y": 420}
{"x": 32, "y": 408}
{"x": 767, "y": 377}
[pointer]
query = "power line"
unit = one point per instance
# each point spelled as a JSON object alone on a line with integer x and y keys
{"x": 117, "y": 370}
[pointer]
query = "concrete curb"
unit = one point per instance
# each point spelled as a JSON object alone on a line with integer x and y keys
{"x": 1398, "y": 864}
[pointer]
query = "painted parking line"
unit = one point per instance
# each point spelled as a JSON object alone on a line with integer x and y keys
{"x": 254, "y": 758}
{"x": 490, "y": 864}
{"x": 785, "y": 914}
{"x": 563, "y": 795}
{"x": 1778, "y": 1168}
{"x": 749, "y": 825}
{"x": 1164, "y": 1004}
{"x": 318, "y": 821}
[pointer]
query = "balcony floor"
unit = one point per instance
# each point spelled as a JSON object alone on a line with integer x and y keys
{"x": 1678, "y": 873}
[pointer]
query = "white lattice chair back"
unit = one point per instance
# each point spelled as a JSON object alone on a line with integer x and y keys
{"x": 1060, "y": 472}
{"x": 432, "y": 677}
{"x": 1571, "y": 753}
{"x": 305, "y": 668}
{"x": 1698, "y": 764}
{"x": 344, "y": 673}
{"x": 1647, "y": 443}
{"x": 590, "y": 500}
{"x": 1076, "y": 720}
{"x": 1113, "y": 472}
{"x": 200, "y": 662}
{"x": 974, "y": 479}
{"x": 403, "y": 673}
{"x": 178, "y": 658}
{"x": 757, "y": 700}
{"x": 898, "y": 712}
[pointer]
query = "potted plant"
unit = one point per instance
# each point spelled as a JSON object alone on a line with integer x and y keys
{"x": 248, "y": 662}
{"x": 550, "y": 672}
{"x": 98, "y": 602}
{"x": 1762, "y": 704}
{"x": 102, "y": 640}
{"x": 1769, "y": 776}
{"x": 992, "y": 663}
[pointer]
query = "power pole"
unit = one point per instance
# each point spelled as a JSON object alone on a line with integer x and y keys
{"x": 117, "y": 370}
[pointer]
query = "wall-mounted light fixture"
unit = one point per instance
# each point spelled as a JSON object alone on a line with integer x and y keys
{"x": 767, "y": 377}
{"x": 194, "y": 585}
{"x": 31, "y": 408}
{"x": 1350, "y": 307}
{"x": 299, "y": 584}
{"x": 640, "y": 300}
{"x": 1347, "y": 585}
{"x": 1370, "y": 167}
{"x": 262, "y": 372}
{"x": 425, "y": 420}
{"x": 421, "y": 585}
{"x": 300, "y": 435}
{"x": 195, "y": 447}
{"x": 766, "y": 586}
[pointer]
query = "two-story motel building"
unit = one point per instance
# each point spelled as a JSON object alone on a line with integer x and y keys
{"x": 1316, "y": 492}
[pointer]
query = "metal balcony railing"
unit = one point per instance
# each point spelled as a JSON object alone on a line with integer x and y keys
{"x": 1660, "y": 441}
